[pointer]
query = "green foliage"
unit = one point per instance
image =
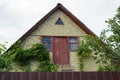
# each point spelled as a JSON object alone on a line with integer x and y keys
{"x": 23, "y": 57}
{"x": 5, "y": 63}
{"x": 84, "y": 48}
{"x": 43, "y": 67}
{"x": 36, "y": 52}
{"x": 27, "y": 69}
{"x": 94, "y": 45}
{"x": 108, "y": 68}
{"x": 81, "y": 65}
{"x": 83, "y": 51}
{"x": 106, "y": 48}
{"x": 113, "y": 40}
{"x": 87, "y": 47}
{"x": 2, "y": 48}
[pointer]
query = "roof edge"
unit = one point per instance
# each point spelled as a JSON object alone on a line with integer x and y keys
{"x": 68, "y": 13}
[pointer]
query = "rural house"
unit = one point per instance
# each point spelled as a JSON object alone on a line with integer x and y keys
{"x": 60, "y": 32}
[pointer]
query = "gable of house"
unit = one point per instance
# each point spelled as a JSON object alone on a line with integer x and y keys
{"x": 60, "y": 31}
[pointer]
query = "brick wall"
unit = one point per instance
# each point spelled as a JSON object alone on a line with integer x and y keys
{"x": 48, "y": 28}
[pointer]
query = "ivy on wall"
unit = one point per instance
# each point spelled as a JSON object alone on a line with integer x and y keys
{"x": 5, "y": 64}
{"x": 83, "y": 51}
{"x": 99, "y": 51}
{"x": 92, "y": 47}
{"x": 23, "y": 57}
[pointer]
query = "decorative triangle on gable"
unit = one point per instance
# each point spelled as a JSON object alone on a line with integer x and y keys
{"x": 59, "y": 21}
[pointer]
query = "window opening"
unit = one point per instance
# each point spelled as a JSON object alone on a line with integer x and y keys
{"x": 73, "y": 43}
{"x": 47, "y": 42}
{"x": 59, "y": 22}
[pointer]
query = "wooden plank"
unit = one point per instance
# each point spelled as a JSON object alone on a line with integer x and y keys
{"x": 23, "y": 76}
{"x": 92, "y": 76}
{"x": 115, "y": 76}
{"x": 68, "y": 75}
{"x": 106, "y": 76}
{"x": 33, "y": 76}
{"x": 42, "y": 76}
{"x": 99, "y": 76}
{"x": 76, "y": 76}
{"x": 15, "y": 75}
{"x": 51, "y": 76}
{"x": 84, "y": 76}
{"x": 60, "y": 76}
{"x": 7, "y": 76}
{"x": 2, "y": 76}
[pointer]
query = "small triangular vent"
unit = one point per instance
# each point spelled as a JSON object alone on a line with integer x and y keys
{"x": 59, "y": 22}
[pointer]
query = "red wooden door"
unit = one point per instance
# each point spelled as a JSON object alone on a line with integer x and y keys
{"x": 60, "y": 51}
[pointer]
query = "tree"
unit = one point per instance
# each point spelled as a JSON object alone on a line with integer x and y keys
{"x": 2, "y": 48}
{"x": 113, "y": 40}
{"x": 5, "y": 63}
{"x": 106, "y": 48}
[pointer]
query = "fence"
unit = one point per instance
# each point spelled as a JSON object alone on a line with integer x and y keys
{"x": 59, "y": 76}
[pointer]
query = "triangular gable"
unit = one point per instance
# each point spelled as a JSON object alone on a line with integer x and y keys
{"x": 69, "y": 14}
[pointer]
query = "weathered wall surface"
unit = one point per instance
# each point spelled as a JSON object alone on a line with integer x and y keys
{"x": 49, "y": 28}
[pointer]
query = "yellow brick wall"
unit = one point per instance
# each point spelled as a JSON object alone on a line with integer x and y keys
{"x": 74, "y": 61}
{"x": 89, "y": 64}
{"x": 49, "y": 28}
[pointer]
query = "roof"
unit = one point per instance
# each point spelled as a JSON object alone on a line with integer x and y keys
{"x": 68, "y": 13}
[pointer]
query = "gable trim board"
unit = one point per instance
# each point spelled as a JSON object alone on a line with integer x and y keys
{"x": 68, "y": 13}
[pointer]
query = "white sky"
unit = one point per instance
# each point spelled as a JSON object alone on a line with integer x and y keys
{"x": 18, "y": 16}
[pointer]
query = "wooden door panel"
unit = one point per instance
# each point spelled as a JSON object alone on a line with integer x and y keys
{"x": 60, "y": 51}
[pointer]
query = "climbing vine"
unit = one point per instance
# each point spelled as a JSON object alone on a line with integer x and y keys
{"x": 101, "y": 53}
{"x": 36, "y": 52}
{"x": 5, "y": 63}
{"x": 83, "y": 51}
{"x": 92, "y": 45}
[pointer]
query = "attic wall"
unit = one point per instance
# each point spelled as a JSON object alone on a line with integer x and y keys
{"x": 49, "y": 28}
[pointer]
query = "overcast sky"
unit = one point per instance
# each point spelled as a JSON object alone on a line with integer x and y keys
{"x": 18, "y": 16}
